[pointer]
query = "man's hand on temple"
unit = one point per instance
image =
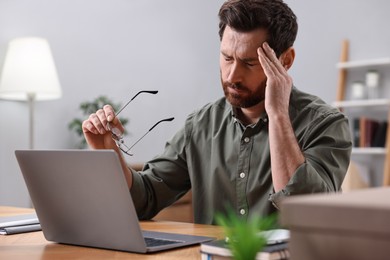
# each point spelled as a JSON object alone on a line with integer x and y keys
{"x": 279, "y": 83}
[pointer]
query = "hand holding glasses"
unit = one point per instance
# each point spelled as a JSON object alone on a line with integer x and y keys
{"x": 117, "y": 135}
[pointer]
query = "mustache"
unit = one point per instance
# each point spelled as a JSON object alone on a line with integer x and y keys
{"x": 237, "y": 86}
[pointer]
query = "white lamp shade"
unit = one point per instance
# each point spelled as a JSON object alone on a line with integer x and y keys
{"x": 29, "y": 69}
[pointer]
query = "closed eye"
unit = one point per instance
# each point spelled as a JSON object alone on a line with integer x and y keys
{"x": 227, "y": 58}
{"x": 251, "y": 62}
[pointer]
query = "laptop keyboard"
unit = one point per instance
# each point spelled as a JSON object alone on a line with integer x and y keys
{"x": 151, "y": 242}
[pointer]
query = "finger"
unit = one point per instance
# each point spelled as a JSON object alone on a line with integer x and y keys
{"x": 87, "y": 126}
{"x": 271, "y": 55}
{"x": 102, "y": 117}
{"x": 269, "y": 52}
{"x": 109, "y": 111}
{"x": 265, "y": 62}
{"x": 112, "y": 120}
{"x": 97, "y": 123}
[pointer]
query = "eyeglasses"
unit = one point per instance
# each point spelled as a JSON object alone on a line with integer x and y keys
{"x": 117, "y": 135}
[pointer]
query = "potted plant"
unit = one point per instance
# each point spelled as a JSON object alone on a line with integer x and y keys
{"x": 243, "y": 236}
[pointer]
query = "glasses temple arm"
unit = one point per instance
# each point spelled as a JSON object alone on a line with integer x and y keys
{"x": 142, "y": 91}
{"x": 163, "y": 120}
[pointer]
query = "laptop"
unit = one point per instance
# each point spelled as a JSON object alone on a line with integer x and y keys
{"x": 81, "y": 198}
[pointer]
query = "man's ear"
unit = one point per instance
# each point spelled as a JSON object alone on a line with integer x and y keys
{"x": 287, "y": 58}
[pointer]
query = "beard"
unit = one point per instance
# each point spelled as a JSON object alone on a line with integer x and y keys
{"x": 241, "y": 96}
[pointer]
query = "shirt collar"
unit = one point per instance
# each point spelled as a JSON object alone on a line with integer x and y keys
{"x": 263, "y": 118}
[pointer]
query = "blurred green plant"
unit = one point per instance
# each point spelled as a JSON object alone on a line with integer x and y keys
{"x": 244, "y": 236}
{"x": 87, "y": 108}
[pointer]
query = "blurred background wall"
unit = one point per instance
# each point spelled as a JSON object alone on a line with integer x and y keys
{"x": 116, "y": 48}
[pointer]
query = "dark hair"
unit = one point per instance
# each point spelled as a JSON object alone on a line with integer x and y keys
{"x": 273, "y": 15}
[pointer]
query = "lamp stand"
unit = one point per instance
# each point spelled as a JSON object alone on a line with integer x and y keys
{"x": 31, "y": 100}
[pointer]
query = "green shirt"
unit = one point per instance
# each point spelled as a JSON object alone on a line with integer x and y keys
{"x": 228, "y": 164}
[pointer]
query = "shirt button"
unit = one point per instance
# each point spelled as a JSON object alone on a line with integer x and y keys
{"x": 242, "y": 211}
{"x": 247, "y": 139}
{"x": 242, "y": 175}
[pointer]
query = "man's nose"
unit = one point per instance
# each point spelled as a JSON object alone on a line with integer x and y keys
{"x": 235, "y": 73}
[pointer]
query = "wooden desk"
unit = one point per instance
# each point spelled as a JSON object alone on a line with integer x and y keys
{"x": 34, "y": 246}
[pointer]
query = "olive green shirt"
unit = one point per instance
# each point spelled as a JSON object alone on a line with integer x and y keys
{"x": 227, "y": 164}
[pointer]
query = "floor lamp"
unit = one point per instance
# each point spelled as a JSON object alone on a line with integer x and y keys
{"x": 29, "y": 74}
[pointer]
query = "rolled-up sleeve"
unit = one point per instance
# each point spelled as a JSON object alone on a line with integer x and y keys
{"x": 326, "y": 146}
{"x": 163, "y": 180}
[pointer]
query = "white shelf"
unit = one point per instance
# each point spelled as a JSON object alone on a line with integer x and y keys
{"x": 363, "y": 63}
{"x": 369, "y": 150}
{"x": 362, "y": 103}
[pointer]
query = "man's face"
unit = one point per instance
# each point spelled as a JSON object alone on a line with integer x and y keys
{"x": 242, "y": 76}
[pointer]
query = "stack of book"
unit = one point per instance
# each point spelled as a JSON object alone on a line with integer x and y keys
{"x": 276, "y": 248}
{"x": 369, "y": 132}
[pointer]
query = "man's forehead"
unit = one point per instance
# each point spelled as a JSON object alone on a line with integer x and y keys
{"x": 245, "y": 42}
